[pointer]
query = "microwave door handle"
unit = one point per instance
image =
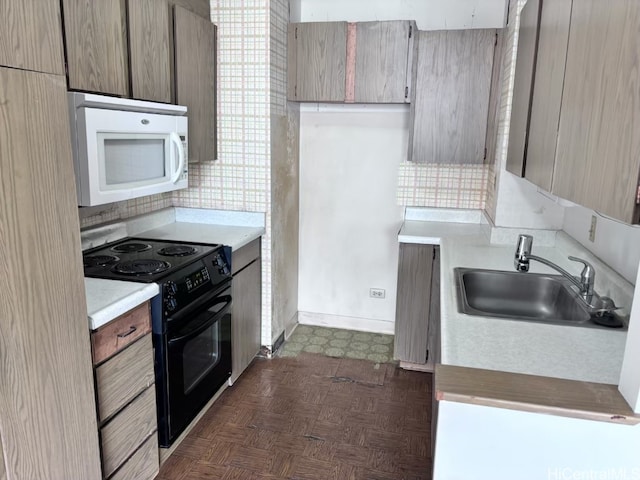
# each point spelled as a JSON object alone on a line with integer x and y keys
{"x": 175, "y": 138}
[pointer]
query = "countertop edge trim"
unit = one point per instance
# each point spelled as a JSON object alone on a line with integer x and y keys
{"x": 459, "y": 384}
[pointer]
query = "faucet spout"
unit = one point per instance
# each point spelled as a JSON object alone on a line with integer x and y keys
{"x": 587, "y": 278}
{"x": 523, "y": 252}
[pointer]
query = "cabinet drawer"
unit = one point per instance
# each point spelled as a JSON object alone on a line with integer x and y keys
{"x": 143, "y": 465}
{"x": 245, "y": 255}
{"x": 113, "y": 337}
{"x": 124, "y": 376}
{"x": 126, "y": 432}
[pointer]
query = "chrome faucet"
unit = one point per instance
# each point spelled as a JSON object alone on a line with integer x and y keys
{"x": 587, "y": 278}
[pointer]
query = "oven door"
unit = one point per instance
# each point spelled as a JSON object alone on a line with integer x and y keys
{"x": 198, "y": 359}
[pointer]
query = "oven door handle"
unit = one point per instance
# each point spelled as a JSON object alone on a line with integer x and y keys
{"x": 198, "y": 330}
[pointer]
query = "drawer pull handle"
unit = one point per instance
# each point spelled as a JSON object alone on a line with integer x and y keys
{"x": 131, "y": 330}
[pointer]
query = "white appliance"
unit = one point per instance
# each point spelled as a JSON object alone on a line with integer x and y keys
{"x": 125, "y": 148}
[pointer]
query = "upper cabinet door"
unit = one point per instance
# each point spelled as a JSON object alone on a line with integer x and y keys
{"x": 31, "y": 35}
{"x": 382, "y": 59}
{"x": 149, "y": 50}
{"x": 523, "y": 87}
{"x": 551, "y": 57}
{"x": 320, "y": 62}
{"x": 598, "y": 155}
{"x": 96, "y": 41}
{"x": 450, "y": 103}
{"x": 195, "y": 64}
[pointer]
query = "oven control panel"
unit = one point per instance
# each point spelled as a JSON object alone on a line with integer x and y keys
{"x": 200, "y": 278}
{"x": 196, "y": 279}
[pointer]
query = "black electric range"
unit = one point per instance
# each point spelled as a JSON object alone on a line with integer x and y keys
{"x": 191, "y": 318}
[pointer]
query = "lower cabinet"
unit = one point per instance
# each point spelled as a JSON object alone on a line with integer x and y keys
{"x": 247, "y": 307}
{"x": 417, "y": 306}
{"x": 126, "y": 396}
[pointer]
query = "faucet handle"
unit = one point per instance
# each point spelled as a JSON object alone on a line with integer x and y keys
{"x": 588, "y": 275}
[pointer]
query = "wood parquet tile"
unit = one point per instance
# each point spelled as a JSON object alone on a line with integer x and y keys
{"x": 312, "y": 417}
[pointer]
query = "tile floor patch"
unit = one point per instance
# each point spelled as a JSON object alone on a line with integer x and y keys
{"x": 339, "y": 343}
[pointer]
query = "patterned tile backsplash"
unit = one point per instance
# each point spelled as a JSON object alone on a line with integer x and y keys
{"x": 444, "y": 186}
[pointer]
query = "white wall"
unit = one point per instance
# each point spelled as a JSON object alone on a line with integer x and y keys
{"x": 349, "y": 163}
{"x": 428, "y": 14}
{"x": 349, "y": 219}
{"x": 616, "y": 243}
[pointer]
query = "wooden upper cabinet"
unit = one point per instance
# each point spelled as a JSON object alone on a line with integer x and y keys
{"x": 551, "y": 57}
{"x": 31, "y": 35}
{"x": 150, "y": 50}
{"x": 523, "y": 87}
{"x": 365, "y": 62}
{"x": 195, "y": 77}
{"x": 598, "y": 153}
{"x": 318, "y": 72}
{"x": 96, "y": 41}
{"x": 384, "y": 51}
{"x": 450, "y": 100}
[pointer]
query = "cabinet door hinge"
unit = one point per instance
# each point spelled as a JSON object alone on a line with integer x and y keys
{"x": 406, "y": 92}
{"x": 295, "y": 91}
{"x": 410, "y": 30}
{"x": 296, "y": 33}
{"x": 427, "y": 357}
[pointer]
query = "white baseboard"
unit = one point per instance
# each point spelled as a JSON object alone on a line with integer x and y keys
{"x": 348, "y": 323}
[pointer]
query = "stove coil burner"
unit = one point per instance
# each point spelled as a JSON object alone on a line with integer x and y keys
{"x": 141, "y": 267}
{"x": 178, "y": 251}
{"x": 131, "y": 247}
{"x": 99, "y": 260}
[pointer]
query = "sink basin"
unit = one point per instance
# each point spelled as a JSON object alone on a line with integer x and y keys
{"x": 520, "y": 296}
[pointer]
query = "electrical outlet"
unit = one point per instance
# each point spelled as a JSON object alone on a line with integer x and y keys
{"x": 377, "y": 292}
{"x": 592, "y": 229}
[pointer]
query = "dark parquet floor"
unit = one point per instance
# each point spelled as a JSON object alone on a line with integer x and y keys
{"x": 312, "y": 417}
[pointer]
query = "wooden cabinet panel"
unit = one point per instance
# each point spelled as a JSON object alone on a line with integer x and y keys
{"x": 245, "y": 255}
{"x": 128, "y": 430}
{"x": 598, "y": 153}
{"x": 195, "y": 76}
{"x": 382, "y": 53}
{"x": 96, "y": 42}
{"x": 413, "y": 302}
{"x": 46, "y": 382}
{"x": 450, "y": 103}
{"x": 320, "y": 61}
{"x": 31, "y": 35}
{"x": 551, "y": 57}
{"x": 113, "y": 337}
{"x": 523, "y": 87}
{"x": 493, "y": 118}
{"x": 247, "y": 310}
{"x": 143, "y": 465}
{"x": 199, "y": 7}
{"x": 124, "y": 376}
{"x": 149, "y": 50}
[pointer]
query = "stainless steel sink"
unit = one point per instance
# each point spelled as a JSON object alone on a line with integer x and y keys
{"x": 520, "y": 296}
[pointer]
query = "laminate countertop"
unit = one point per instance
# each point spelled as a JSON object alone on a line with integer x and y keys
{"x": 108, "y": 299}
{"x": 575, "y": 353}
{"x": 233, "y": 236}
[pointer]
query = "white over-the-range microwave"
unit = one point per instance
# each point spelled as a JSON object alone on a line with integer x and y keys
{"x": 125, "y": 148}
